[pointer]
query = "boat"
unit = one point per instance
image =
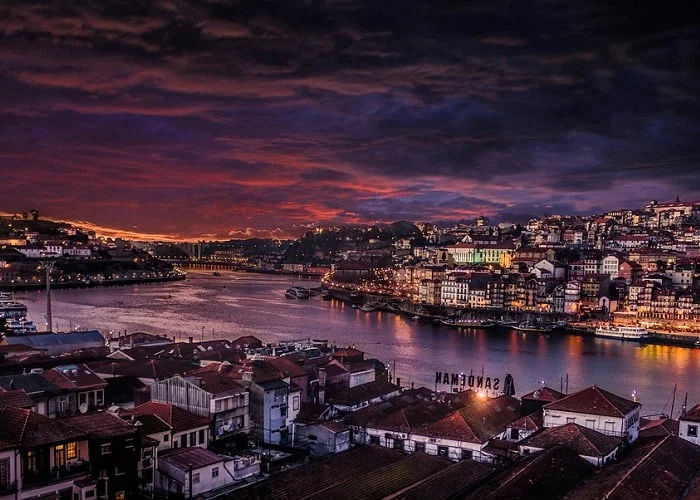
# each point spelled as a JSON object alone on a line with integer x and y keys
{"x": 20, "y": 326}
{"x": 10, "y": 308}
{"x": 622, "y": 332}
{"x": 326, "y": 296}
{"x": 463, "y": 322}
{"x": 368, "y": 308}
{"x": 297, "y": 292}
{"x": 532, "y": 327}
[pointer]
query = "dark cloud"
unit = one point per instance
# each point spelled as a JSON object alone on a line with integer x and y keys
{"x": 259, "y": 117}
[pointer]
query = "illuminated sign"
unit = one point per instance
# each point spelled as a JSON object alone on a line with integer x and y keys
{"x": 471, "y": 381}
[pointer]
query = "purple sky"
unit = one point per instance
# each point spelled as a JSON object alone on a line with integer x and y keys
{"x": 223, "y": 118}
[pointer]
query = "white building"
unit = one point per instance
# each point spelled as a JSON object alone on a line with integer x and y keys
{"x": 596, "y": 409}
{"x": 202, "y": 470}
{"x": 455, "y": 290}
{"x": 689, "y": 424}
{"x": 610, "y": 266}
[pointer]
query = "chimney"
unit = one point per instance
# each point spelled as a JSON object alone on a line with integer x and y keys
{"x": 191, "y": 339}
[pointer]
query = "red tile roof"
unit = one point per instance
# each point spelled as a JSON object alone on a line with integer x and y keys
{"x": 183, "y": 458}
{"x": 532, "y": 422}
{"x": 102, "y": 425}
{"x": 18, "y": 398}
{"x": 28, "y": 429}
{"x": 544, "y": 394}
{"x": 693, "y": 414}
{"x": 175, "y": 417}
{"x": 658, "y": 428}
{"x": 596, "y": 401}
{"x": 579, "y": 439}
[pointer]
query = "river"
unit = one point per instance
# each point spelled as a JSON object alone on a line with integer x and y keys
{"x": 236, "y": 304}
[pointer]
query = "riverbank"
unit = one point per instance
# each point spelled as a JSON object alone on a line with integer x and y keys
{"x": 435, "y": 313}
{"x": 21, "y": 287}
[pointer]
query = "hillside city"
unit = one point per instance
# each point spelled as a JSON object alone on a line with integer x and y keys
{"x": 87, "y": 414}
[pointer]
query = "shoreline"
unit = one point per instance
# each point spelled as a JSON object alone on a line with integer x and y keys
{"x": 92, "y": 284}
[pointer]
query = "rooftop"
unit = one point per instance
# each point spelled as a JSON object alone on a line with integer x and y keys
{"x": 579, "y": 439}
{"x": 596, "y": 401}
{"x": 28, "y": 429}
{"x": 102, "y": 425}
{"x": 183, "y": 458}
{"x": 175, "y": 417}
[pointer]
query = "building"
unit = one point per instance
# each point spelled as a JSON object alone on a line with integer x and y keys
{"x": 115, "y": 452}
{"x": 59, "y": 343}
{"x": 187, "y": 429}
{"x": 594, "y": 447}
{"x": 43, "y": 456}
{"x": 596, "y": 409}
{"x": 190, "y": 472}
{"x": 208, "y": 394}
{"x": 689, "y": 423}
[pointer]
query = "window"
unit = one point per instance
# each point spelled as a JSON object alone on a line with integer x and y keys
{"x": 147, "y": 452}
{"x": 692, "y": 431}
{"x": 99, "y": 397}
{"x": 215, "y": 472}
{"x": 31, "y": 460}
{"x": 62, "y": 404}
{"x": 467, "y": 454}
{"x": 283, "y": 411}
{"x": 295, "y": 403}
{"x": 183, "y": 440}
{"x": 90, "y": 493}
{"x": 118, "y": 471}
{"x": 374, "y": 440}
{"x": 106, "y": 448}
{"x": 526, "y": 451}
{"x": 72, "y": 450}
{"x": 166, "y": 438}
{"x": 195, "y": 478}
{"x": 570, "y": 420}
{"x": 4, "y": 472}
{"x": 590, "y": 423}
{"x": 193, "y": 438}
{"x": 398, "y": 444}
{"x": 201, "y": 436}
{"x": 443, "y": 451}
{"x": 312, "y": 437}
{"x": 59, "y": 455}
{"x": 420, "y": 446}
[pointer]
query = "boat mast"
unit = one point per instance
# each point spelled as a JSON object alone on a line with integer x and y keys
{"x": 673, "y": 401}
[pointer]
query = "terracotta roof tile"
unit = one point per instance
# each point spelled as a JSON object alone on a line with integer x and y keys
{"x": 29, "y": 429}
{"x": 18, "y": 398}
{"x": 102, "y": 425}
{"x": 579, "y": 439}
{"x": 693, "y": 414}
{"x": 594, "y": 400}
{"x": 183, "y": 458}
{"x": 544, "y": 394}
{"x": 175, "y": 417}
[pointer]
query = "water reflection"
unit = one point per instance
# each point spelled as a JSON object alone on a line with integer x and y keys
{"x": 243, "y": 304}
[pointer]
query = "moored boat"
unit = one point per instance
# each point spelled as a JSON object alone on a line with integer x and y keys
{"x": 297, "y": 292}
{"x": 368, "y": 308}
{"x": 532, "y": 327}
{"x": 622, "y": 332}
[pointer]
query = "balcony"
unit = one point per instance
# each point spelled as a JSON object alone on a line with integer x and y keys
{"x": 33, "y": 479}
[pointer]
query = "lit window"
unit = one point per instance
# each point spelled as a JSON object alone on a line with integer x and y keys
{"x": 72, "y": 450}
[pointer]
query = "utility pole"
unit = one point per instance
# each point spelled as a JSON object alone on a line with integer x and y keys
{"x": 48, "y": 265}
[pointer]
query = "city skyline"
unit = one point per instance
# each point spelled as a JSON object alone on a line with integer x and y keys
{"x": 205, "y": 120}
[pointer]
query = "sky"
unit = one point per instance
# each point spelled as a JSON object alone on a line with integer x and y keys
{"x": 225, "y": 119}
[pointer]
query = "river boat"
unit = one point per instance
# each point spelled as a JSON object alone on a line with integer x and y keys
{"x": 532, "y": 327}
{"x": 622, "y": 332}
{"x": 368, "y": 308}
{"x": 20, "y": 326}
{"x": 467, "y": 323}
{"x": 10, "y": 308}
{"x": 297, "y": 292}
